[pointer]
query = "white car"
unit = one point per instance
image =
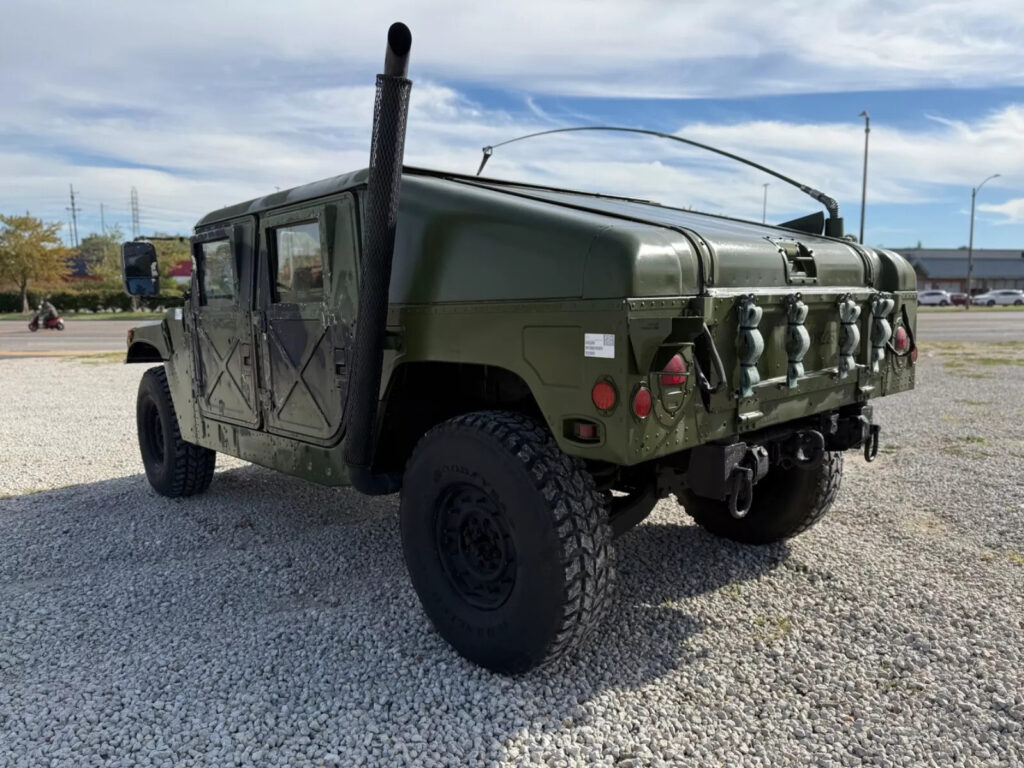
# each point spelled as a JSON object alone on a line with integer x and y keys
{"x": 934, "y": 298}
{"x": 1005, "y": 296}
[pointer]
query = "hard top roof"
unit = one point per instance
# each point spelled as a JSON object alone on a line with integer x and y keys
{"x": 614, "y": 205}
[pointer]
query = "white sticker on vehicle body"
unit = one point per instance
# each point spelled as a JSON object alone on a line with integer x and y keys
{"x": 599, "y": 345}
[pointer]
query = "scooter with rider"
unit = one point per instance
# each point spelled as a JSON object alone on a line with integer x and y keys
{"x": 46, "y": 316}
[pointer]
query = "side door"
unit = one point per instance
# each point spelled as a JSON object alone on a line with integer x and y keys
{"x": 222, "y": 319}
{"x": 306, "y": 285}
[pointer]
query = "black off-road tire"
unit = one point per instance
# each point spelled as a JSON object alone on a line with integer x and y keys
{"x": 173, "y": 467}
{"x": 506, "y": 540}
{"x": 786, "y": 503}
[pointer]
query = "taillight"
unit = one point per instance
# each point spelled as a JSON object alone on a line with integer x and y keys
{"x": 901, "y": 340}
{"x": 603, "y": 395}
{"x": 674, "y": 373}
{"x": 642, "y": 402}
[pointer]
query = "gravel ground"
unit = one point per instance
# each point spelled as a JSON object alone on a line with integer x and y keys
{"x": 270, "y": 622}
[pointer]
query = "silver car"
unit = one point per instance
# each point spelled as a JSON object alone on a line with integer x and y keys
{"x": 934, "y": 298}
{"x": 1004, "y": 296}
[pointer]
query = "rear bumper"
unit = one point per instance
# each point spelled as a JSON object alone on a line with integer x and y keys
{"x": 773, "y": 374}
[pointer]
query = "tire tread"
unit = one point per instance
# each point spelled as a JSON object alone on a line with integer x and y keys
{"x": 580, "y": 518}
{"x": 192, "y": 466}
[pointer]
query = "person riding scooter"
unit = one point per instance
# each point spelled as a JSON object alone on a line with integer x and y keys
{"x": 45, "y": 312}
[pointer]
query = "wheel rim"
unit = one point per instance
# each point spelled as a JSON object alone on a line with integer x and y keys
{"x": 153, "y": 439}
{"x": 474, "y": 546}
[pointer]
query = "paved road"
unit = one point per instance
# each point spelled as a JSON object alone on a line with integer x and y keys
{"x": 79, "y": 337}
{"x": 976, "y": 325}
{"x": 85, "y": 336}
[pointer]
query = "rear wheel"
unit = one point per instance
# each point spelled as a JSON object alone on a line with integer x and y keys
{"x": 506, "y": 540}
{"x": 60, "y": 325}
{"x": 991, "y": 303}
{"x": 785, "y": 503}
{"x": 1018, "y": 303}
{"x": 943, "y": 303}
{"x": 173, "y": 467}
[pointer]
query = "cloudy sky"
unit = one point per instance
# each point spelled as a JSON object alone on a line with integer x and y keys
{"x": 202, "y": 104}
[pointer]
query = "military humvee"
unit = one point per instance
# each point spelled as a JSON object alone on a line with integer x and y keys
{"x": 534, "y": 368}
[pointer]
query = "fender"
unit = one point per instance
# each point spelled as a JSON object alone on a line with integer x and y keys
{"x": 149, "y": 343}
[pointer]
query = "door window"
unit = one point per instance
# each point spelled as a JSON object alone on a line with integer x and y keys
{"x": 216, "y": 273}
{"x": 296, "y": 263}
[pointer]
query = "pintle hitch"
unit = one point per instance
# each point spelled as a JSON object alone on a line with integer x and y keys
{"x": 728, "y": 473}
{"x": 804, "y": 450}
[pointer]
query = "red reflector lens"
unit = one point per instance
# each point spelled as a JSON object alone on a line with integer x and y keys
{"x": 603, "y": 395}
{"x": 586, "y": 431}
{"x": 674, "y": 374}
{"x": 913, "y": 355}
{"x": 901, "y": 340}
{"x": 642, "y": 402}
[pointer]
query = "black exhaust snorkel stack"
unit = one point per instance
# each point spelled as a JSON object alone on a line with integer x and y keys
{"x": 380, "y": 219}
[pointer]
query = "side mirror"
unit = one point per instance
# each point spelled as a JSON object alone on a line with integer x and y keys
{"x": 138, "y": 267}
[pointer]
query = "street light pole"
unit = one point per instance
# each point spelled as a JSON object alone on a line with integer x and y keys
{"x": 970, "y": 240}
{"x": 864, "y": 181}
{"x": 764, "y": 206}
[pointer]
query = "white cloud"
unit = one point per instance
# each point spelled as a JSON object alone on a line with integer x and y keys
{"x": 595, "y": 47}
{"x": 1010, "y": 212}
{"x": 201, "y": 104}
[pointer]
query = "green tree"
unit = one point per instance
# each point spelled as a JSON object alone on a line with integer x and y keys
{"x": 31, "y": 251}
{"x": 102, "y": 254}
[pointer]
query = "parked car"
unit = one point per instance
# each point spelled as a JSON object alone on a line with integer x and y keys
{"x": 934, "y": 298}
{"x": 1005, "y": 297}
{"x": 958, "y": 299}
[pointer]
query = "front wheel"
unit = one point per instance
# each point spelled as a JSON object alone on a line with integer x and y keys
{"x": 991, "y": 303}
{"x": 785, "y": 503}
{"x": 60, "y": 325}
{"x": 174, "y": 467}
{"x": 1018, "y": 303}
{"x": 33, "y": 326}
{"x": 506, "y": 540}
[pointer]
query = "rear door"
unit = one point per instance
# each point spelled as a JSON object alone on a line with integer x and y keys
{"x": 306, "y": 284}
{"x": 222, "y": 319}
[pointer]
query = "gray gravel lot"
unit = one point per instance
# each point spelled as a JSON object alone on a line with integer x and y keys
{"x": 270, "y": 622}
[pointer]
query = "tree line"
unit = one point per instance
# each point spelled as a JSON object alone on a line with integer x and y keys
{"x": 32, "y": 255}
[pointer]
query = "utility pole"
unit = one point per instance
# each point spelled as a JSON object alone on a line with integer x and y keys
{"x": 764, "y": 205}
{"x": 864, "y": 181}
{"x": 135, "y": 213}
{"x": 103, "y": 222}
{"x": 970, "y": 241}
{"x": 74, "y": 217}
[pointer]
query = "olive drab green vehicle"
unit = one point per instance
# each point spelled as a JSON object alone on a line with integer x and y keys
{"x": 533, "y": 368}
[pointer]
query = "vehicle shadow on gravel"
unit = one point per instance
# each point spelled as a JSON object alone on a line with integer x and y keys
{"x": 288, "y": 604}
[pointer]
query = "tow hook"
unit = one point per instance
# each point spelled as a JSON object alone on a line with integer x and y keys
{"x": 871, "y": 443}
{"x": 752, "y": 468}
{"x": 741, "y": 492}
